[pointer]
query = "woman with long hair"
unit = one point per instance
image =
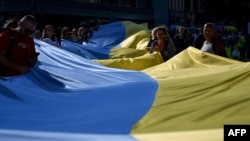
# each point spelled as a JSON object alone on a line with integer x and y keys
{"x": 48, "y": 36}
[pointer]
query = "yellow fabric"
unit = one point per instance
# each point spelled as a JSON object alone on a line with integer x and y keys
{"x": 131, "y": 59}
{"x": 131, "y": 28}
{"x": 144, "y": 24}
{"x": 137, "y": 36}
{"x": 197, "y": 135}
{"x": 126, "y": 53}
{"x": 197, "y": 91}
{"x": 132, "y": 53}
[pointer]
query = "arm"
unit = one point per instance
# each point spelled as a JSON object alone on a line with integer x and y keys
{"x": 152, "y": 47}
{"x": 34, "y": 56}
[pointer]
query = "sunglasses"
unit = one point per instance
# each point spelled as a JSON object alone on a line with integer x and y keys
{"x": 28, "y": 31}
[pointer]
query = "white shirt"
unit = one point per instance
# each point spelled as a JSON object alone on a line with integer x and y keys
{"x": 207, "y": 47}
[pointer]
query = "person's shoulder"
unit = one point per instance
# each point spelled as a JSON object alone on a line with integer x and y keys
{"x": 8, "y": 33}
{"x": 5, "y": 31}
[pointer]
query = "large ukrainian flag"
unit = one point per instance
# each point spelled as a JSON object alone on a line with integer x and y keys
{"x": 103, "y": 91}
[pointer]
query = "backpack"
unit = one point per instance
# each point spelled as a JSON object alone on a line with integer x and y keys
{"x": 3, "y": 69}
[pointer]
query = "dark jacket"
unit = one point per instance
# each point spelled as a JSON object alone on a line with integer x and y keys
{"x": 167, "y": 51}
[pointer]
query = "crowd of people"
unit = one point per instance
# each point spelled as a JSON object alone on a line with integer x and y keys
{"x": 227, "y": 43}
{"x": 18, "y": 54}
{"x": 80, "y": 35}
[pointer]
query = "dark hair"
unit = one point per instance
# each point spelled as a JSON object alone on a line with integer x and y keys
{"x": 63, "y": 32}
{"x": 10, "y": 23}
{"x": 162, "y": 29}
{"x": 44, "y": 34}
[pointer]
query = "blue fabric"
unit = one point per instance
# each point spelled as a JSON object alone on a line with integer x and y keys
{"x": 68, "y": 93}
{"x": 106, "y": 37}
{"x": 17, "y": 135}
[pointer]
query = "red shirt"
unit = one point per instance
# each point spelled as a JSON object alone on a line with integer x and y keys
{"x": 160, "y": 45}
{"x": 23, "y": 49}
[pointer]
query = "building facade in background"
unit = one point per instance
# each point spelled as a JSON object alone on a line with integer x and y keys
{"x": 153, "y": 12}
{"x": 197, "y": 12}
{"x": 75, "y": 12}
